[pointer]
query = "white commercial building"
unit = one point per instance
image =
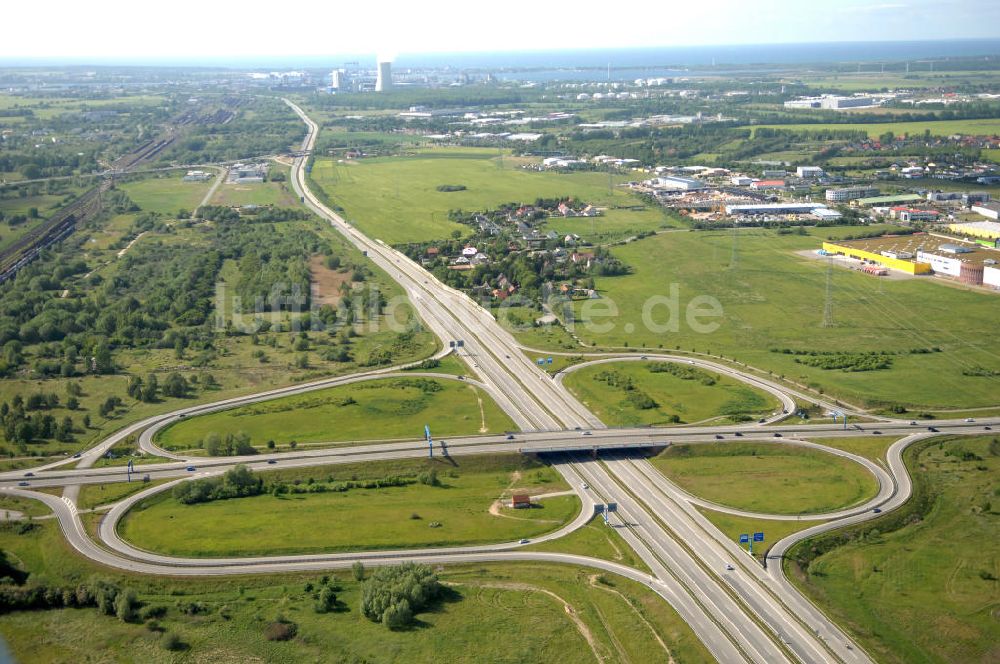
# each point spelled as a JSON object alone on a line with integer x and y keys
{"x": 991, "y": 276}
{"x": 775, "y": 208}
{"x": 941, "y": 264}
{"x": 809, "y": 172}
{"x": 676, "y": 182}
{"x": 826, "y": 214}
{"x": 991, "y": 210}
{"x": 850, "y": 193}
{"x": 741, "y": 180}
{"x": 832, "y": 102}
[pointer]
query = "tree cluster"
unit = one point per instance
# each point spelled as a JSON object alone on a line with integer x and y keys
{"x": 392, "y": 595}
{"x": 237, "y": 482}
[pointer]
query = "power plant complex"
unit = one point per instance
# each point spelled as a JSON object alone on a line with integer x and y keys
{"x": 351, "y": 78}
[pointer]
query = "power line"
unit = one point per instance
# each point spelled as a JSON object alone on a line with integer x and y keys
{"x": 734, "y": 258}
{"x": 828, "y": 306}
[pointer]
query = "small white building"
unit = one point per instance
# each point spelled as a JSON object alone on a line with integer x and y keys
{"x": 809, "y": 172}
{"x": 741, "y": 180}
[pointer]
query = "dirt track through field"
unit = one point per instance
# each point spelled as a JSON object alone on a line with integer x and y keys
{"x": 567, "y": 607}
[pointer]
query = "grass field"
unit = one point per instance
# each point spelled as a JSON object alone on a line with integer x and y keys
{"x": 599, "y": 387}
{"x": 395, "y": 199}
{"x": 382, "y": 409}
{"x": 496, "y": 612}
{"x": 361, "y": 519}
{"x": 775, "y": 299}
{"x": 774, "y": 530}
{"x": 94, "y": 495}
{"x": 167, "y": 194}
{"x": 278, "y": 194}
{"x": 870, "y": 447}
{"x": 877, "y": 80}
{"x": 979, "y": 127}
{"x": 921, "y": 586}
{"x": 597, "y": 541}
{"x": 767, "y": 478}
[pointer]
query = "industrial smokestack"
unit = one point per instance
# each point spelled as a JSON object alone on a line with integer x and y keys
{"x": 384, "y": 80}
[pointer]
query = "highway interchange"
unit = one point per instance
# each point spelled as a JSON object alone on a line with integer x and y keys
{"x": 741, "y": 611}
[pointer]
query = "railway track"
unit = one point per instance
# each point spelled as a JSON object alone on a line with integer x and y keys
{"x": 57, "y": 228}
{"x": 27, "y": 248}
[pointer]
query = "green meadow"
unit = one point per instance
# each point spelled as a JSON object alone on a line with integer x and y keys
{"x": 395, "y": 199}
{"x": 412, "y": 516}
{"x": 772, "y": 298}
{"x": 167, "y": 194}
{"x": 693, "y": 396}
{"x": 505, "y": 613}
{"x": 767, "y": 478}
{"x": 920, "y": 585}
{"x": 977, "y": 127}
{"x": 371, "y": 410}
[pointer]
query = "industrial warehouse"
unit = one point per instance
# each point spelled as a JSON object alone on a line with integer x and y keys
{"x": 971, "y": 263}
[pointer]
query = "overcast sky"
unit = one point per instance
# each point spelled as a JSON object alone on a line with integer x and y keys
{"x": 133, "y": 29}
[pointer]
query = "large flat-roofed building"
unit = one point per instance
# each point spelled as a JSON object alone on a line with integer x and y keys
{"x": 683, "y": 184}
{"x": 832, "y": 102}
{"x": 864, "y": 253}
{"x": 775, "y": 208}
{"x": 922, "y": 253}
{"x": 844, "y": 194}
{"x": 809, "y": 172}
{"x": 898, "y": 199}
{"x": 985, "y": 229}
{"x": 247, "y": 173}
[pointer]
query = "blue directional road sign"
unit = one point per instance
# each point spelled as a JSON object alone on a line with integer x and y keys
{"x": 598, "y": 509}
{"x": 744, "y": 539}
{"x": 612, "y": 507}
{"x": 758, "y": 537}
{"x": 548, "y": 360}
{"x": 541, "y": 361}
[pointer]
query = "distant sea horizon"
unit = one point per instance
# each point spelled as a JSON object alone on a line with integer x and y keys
{"x": 675, "y": 58}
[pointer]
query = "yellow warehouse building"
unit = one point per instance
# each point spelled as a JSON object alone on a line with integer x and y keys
{"x": 909, "y": 267}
